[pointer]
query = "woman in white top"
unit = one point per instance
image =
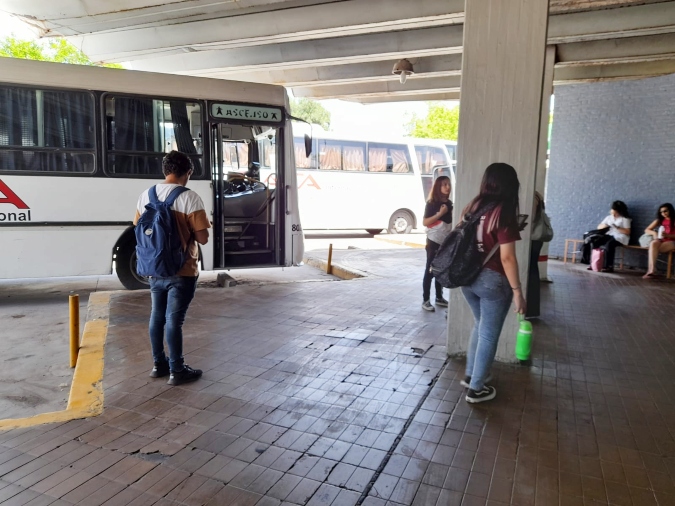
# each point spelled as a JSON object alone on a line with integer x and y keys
{"x": 618, "y": 222}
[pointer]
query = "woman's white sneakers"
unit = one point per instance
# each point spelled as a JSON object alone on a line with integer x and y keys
{"x": 485, "y": 394}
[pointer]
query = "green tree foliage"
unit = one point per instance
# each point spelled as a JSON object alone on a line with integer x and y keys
{"x": 440, "y": 123}
{"x": 57, "y": 50}
{"x": 311, "y": 111}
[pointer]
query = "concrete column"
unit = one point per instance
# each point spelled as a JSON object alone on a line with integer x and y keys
{"x": 541, "y": 173}
{"x": 502, "y": 95}
{"x": 547, "y": 92}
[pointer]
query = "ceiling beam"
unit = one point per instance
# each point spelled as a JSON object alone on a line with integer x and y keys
{"x": 390, "y": 87}
{"x": 589, "y": 5}
{"x": 429, "y": 97}
{"x": 354, "y": 49}
{"x": 429, "y": 66}
{"x": 67, "y": 18}
{"x": 624, "y": 49}
{"x": 338, "y": 19}
{"x": 608, "y": 72}
{"x": 631, "y": 21}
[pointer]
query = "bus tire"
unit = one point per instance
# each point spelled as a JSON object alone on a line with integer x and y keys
{"x": 401, "y": 222}
{"x": 125, "y": 266}
{"x": 374, "y": 231}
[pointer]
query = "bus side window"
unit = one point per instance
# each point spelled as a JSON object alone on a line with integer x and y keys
{"x": 110, "y": 130}
{"x": 47, "y": 131}
{"x": 330, "y": 155}
{"x": 141, "y": 130}
{"x": 428, "y": 157}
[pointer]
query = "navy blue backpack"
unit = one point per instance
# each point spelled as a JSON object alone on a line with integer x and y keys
{"x": 159, "y": 250}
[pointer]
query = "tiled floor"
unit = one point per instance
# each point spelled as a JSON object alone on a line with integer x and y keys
{"x": 339, "y": 393}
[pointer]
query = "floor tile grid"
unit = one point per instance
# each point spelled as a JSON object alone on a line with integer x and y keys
{"x": 543, "y": 443}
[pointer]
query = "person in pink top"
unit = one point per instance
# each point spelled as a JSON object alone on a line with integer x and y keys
{"x": 665, "y": 217}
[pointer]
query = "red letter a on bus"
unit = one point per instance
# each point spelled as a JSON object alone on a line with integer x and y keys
{"x": 11, "y": 197}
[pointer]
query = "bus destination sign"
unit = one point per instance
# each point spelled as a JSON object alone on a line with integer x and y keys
{"x": 246, "y": 112}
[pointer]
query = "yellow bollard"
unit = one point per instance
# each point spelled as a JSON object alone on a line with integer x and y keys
{"x": 74, "y": 301}
{"x": 329, "y": 267}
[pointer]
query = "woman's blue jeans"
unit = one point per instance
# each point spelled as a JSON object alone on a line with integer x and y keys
{"x": 489, "y": 298}
{"x": 171, "y": 298}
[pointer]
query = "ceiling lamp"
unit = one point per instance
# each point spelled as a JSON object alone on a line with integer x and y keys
{"x": 403, "y": 68}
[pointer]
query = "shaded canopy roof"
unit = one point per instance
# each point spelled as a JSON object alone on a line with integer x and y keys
{"x": 347, "y": 48}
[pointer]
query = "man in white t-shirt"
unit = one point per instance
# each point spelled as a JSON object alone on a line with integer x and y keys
{"x": 171, "y": 296}
{"x": 618, "y": 222}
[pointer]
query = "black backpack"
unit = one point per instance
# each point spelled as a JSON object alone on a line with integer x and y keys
{"x": 461, "y": 257}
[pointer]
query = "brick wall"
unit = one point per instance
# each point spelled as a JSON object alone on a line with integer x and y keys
{"x": 610, "y": 141}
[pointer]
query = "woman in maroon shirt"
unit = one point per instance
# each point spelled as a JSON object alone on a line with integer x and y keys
{"x": 498, "y": 284}
{"x": 665, "y": 217}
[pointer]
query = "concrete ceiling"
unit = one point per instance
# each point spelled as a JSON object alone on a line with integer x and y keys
{"x": 347, "y": 48}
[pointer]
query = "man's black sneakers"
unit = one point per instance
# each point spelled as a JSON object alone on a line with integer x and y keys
{"x": 187, "y": 375}
{"x": 160, "y": 370}
{"x": 485, "y": 394}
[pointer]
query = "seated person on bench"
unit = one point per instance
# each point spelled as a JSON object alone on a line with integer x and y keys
{"x": 618, "y": 222}
{"x": 663, "y": 243}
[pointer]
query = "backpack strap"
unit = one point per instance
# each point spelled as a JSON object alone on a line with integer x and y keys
{"x": 481, "y": 231}
{"x": 152, "y": 194}
{"x": 492, "y": 252}
{"x": 175, "y": 193}
{"x": 474, "y": 217}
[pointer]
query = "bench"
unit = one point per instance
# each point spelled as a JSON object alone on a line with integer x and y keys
{"x": 622, "y": 249}
{"x": 575, "y": 243}
{"x": 575, "y": 249}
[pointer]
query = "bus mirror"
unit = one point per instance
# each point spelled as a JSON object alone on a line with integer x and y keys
{"x": 308, "y": 146}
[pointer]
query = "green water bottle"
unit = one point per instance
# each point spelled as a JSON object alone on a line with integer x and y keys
{"x": 524, "y": 339}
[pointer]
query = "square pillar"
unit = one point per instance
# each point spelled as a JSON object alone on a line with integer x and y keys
{"x": 501, "y": 100}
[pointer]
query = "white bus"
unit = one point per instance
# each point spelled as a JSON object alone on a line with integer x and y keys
{"x": 350, "y": 184}
{"x": 368, "y": 184}
{"x": 79, "y": 144}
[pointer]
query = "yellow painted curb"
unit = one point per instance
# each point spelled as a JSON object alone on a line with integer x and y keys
{"x": 86, "y": 391}
{"x": 336, "y": 270}
{"x": 402, "y": 242}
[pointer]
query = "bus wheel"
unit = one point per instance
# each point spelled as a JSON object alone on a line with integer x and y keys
{"x": 125, "y": 266}
{"x": 400, "y": 223}
{"x": 373, "y": 231}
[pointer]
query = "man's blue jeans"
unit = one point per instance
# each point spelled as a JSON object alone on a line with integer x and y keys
{"x": 171, "y": 298}
{"x": 489, "y": 298}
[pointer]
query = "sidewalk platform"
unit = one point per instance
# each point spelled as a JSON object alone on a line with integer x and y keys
{"x": 340, "y": 393}
{"x": 409, "y": 240}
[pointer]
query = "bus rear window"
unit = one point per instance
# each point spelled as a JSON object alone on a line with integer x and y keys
{"x": 139, "y": 131}
{"x": 46, "y": 131}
